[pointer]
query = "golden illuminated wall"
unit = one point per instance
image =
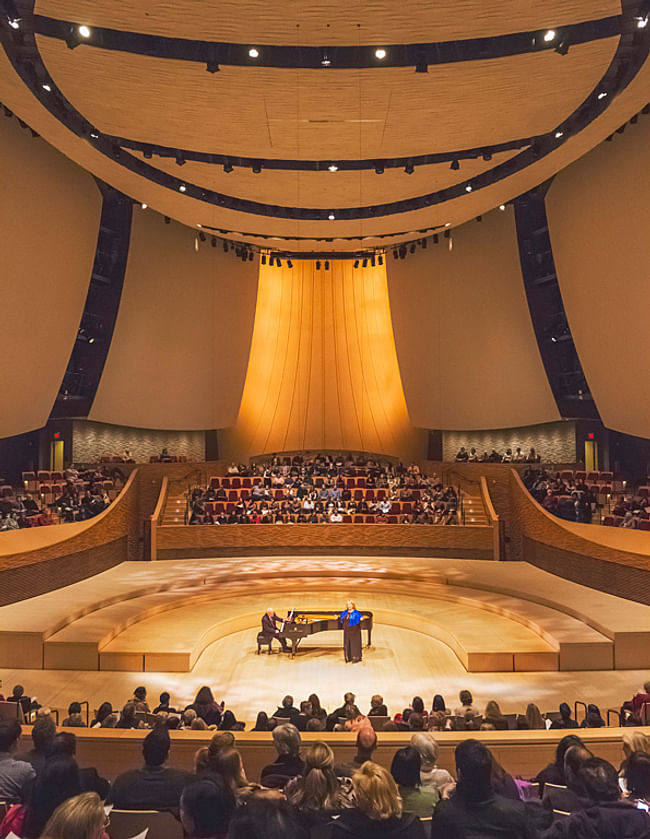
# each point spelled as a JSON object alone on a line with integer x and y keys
{"x": 323, "y": 372}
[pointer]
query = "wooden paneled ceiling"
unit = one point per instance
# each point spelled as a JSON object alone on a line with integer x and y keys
{"x": 128, "y": 91}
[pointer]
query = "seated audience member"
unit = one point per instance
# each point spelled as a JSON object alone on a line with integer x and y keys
{"x": 634, "y": 705}
{"x": 104, "y": 711}
{"x": 26, "y": 702}
{"x": 65, "y": 743}
{"x": 139, "y": 699}
{"x": 554, "y": 772}
{"x": 155, "y": 786}
{"x": 565, "y": 720}
{"x": 80, "y": 817}
{"x": 377, "y": 707}
{"x": 593, "y": 718}
{"x": 220, "y": 742}
{"x": 607, "y": 816}
{"x": 287, "y": 711}
{"x": 534, "y": 718}
{"x": 317, "y": 710}
{"x": 267, "y": 816}
{"x": 428, "y": 749}
{"x": 348, "y": 710}
{"x": 43, "y": 732}
{"x": 633, "y": 741}
{"x": 637, "y": 779}
{"x": 199, "y": 725}
{"x": 262, "y": 722}
{"x": 405, "y": 769}
{"x": 15, "y": 775}
{"x": 288, "y": 764}
{"x": 230, "y": 723}
{"x": 206, "y": 807}
{"x": 438, "y": 705}
{"x": 378, "y": 811}
{"x": 366, "y": 744}
{"x": 227, "y": 764}
{"x": 128, "y": 718}
{"x": 494, "y": 716}
{"x": 572, "y": 797}
{"x": 74, "y": 719}
{"x": 475, "y": 810}
{"x": 465, "y": 709}
{"x": 462, "y": 456}
{"x": 206, "y": 707}
{"x": 58, "y": 781}
{"x": 319, "y": 793}
{"x": 163, "y": 704}
{"x": 502, "y": 781}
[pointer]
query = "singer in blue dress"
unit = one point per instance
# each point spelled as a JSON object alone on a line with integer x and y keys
{"x": 350, "y": 619}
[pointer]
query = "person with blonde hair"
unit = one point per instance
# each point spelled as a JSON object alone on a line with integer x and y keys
{"x": 534, "y": 718}
{"x": 228, "y": 764}
{"x": 319, "y": 793}
{"x": 379, "y": 808}
{"x": 430, "y": 776}
{"x": 80, "y": 817}
{"x": 494, "y": 716}
{"x": 633, "y": 741}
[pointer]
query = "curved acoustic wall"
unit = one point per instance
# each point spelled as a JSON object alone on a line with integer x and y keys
{"x": 599, "y": 219}
{"x": 465, "y": 342}
{"x": 323, "y": 371}
{"x": 181, "y": 341}
{"x": 49, "y": 218}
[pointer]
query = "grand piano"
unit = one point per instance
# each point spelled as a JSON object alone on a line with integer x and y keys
{"x": 301, "y": 624}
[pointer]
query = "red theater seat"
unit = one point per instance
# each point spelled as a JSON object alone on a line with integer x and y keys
{"x": 358, "y": 519}
{"x": 246, "y": 482}
{"x": 235, "y": 483}
{"x": 225, "y": 483}
{"x": 370, "y": 519}
{"x": 643, "y": 524}
{"x": 580, "y": 476}
{"x": 608, "y": 521}
{"x": 214, "y": 482}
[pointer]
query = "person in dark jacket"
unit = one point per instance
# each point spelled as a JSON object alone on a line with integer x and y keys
{"x": 608, "y": 817}
{"x": 154, "y": 787}
{"x": 475, "y": 811}
{"x": 565, "y": 720}
{"x": 65, "y": 743}
{"x": 554, "y": 772}
{"x": 43, "y": 733}
{"x": 286, "y": 739}
{"x": 206, "y": 708}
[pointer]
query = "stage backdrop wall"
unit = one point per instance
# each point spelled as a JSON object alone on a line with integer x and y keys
{"x": 323, "y": 372}
{"x": 182, "y": 336}
{"x": 49, "y": 218}
{"x": 599, "y": 218}
{"x": 465, "y": 342}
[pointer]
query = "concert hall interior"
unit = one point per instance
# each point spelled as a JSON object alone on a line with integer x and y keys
{"x": 324, "y": 332}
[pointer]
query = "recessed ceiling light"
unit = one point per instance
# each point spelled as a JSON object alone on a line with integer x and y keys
{"x": 559, "y": 134}
{"x": 448, "y": 224}
{"x": 182, "y": 187}
{"x": 253, "y": 52}
{"x": 331, "y": 217}
{"x": 84, "y": 31}
{"x": 47, "y": 87}
{"x": 333, "y": 167}
{"x": 380, "y": 53}
{"x": 468, "y": 188}
{"x": 14, "y": 23}
{"x": 326, "y": 61}
{"x": 502, "y": 206}
{"x": 602, "y": 94}
{"x": 549, "y": 35}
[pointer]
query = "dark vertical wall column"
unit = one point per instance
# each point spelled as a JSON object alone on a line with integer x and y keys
{"x": 559, "y": 355}
{"x": 84, "y": 370}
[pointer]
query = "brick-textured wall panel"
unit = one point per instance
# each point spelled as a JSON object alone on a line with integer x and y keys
{"x": 554, "y": 441}
{"x": 91, "y": 440}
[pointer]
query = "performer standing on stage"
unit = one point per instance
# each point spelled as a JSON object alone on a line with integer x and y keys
{"x": 269, "y": 630}
{"x": 351, "y": 621}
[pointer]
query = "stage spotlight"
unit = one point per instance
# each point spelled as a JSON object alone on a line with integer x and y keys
{"x": 409, "y": 168}
{"x": 364, "y": 264}
{"x": 602, "y": 94}
{"x": 395, "y": 254}
{"x": 47, "y": 87}
{"x": 202, "y": 236}
{"x": 253, "y": 52}
{"x": 251, "y": 256}
{"x": 182, "y": 188}
{"x": 487, "y": 155}
{"x": 479, "y": 218}
{"x": 257, "y": 167}
{"x": 356, "y": 263}
{"x": 455, "y": 165}
{"x": 144, "y": 206}
{"x": 180, "y": 160}
{"x": 213, "y": 241}
{"x": 333, "y": 167}
{"x": 289, "y": 263}
{"x": 318, "y": 264}
{"x": 84, "y": 31}
{"x": 447, "y": 234}
{"x": 502, "y": 207}
{"x": 373, "y": 261}
{"x": 14, "y": 22}
{"x": 331, "y": 216}
{"x": 225, "y": 246}
{"x": 380, "y": 53}
{"x": 327, "y": 265}
{"x": 325, "y": 60}
{"x": 379, "y": 168}
{"x": 263, "y": 259}
{"x": 436, "y": 238}
{"x": 412, "y": 248}
{"x": 424, "y": 243}
{"x": 563, "y": 45}
{"x": 549, "y": 35}
{"x": 167, "y": 220}
{"x": 95, "y": 136}
{"x": 402, "y": 252}
{"x": 146, "y": 153}
{"x": 642, "y": 22}
{"x": 559, "y": 134}
{"x": 381, "y": 259}
{"x": 468, "y": 188}
{"x": 212, "y": 66}
{"x": 227, "y": 168}
{"x": 278, "y": 262}
{"x": 422, "y": 66}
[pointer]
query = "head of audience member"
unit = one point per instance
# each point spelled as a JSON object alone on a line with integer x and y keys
{"x": 349, "y": 699}
{"x": 287, "y": 702}
{"x": 438, "y": 703}
{"x": 221, "y": 741}
{"x": 534, "y": 718}
{"x": 104, "y": 710}
{"x": 599, "y": 780}
{"x": 63, "y": 743}
{"x": 376, "y": 792}
{"x": 474, "y": 768}
{"x": 376, "y": 701}
{"x": 17, "y": 692}
{"x": 562, "y": 748}
{"x": 140, "y": 694}
{"x": 267, "y": 816}
{"x": 635, "y": 741}
{"x": 199, "y": 724}
{"x": 366, "y": 743}
{"x": 417, "y": 705}
{"x": 637, "y": 775}
{"x": 426, "y": 746}
{"x": 79, "y": 817}
{"x": 405, "y": 767}
{"x": 201, "y": 760}
{"x": 573, "y": 760}
{"x": 286, "y": 739}
{"x": 189, "y": 715}
{"x": 466, "y": 698}
{"x": 164, "y": 699}
{"x": 262, "y": 722}
{"x": 10, "y": 731}
{"x": 316, "y": 708}
{"x": 207, "y": 807}
{"x": 155, "y": 747}
{"x": 172, "y": 723}
{"x": 228, "y": 764}
{"x": 43, "y": 732}
{"x": 565, "y": 712}
{"x": 315, "y": 724}
{"x": 56, "y": 782}
{"x": 416, "y": 722}
{"x": 318, "y": 788}
{"x": 228, "y": 721}
{"x": 492, "y": 710}
{"x": 204, "y": 696}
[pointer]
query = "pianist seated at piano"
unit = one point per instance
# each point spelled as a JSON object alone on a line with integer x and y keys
{"x": 270, "y": 630}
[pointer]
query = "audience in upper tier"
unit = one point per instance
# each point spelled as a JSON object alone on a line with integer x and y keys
{"x": 570, "y": 499}
{"x": 319, "y": 489}
{"x": 518, "y": 456}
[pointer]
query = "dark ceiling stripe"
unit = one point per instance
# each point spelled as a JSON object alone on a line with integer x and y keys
{"x": 93, "y": 341}
{"x": 183, "y": 155}
{"x": 339, "y": 57}
{"x": 632, "y": 50}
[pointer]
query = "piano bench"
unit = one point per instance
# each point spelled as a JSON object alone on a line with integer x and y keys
{"x": 263, "y": 641}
